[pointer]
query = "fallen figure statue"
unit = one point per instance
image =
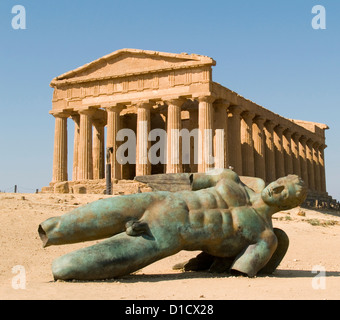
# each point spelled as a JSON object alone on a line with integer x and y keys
{"x": 221, "y": 216}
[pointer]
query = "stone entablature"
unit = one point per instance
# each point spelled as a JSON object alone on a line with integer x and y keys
{"x": 131, "y": 87}
{"x": 128, "y": 75}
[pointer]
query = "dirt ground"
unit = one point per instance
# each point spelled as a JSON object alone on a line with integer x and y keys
{"x": 314, "y": 245}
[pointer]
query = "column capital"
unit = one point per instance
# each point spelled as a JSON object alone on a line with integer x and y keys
{"x": 235, "y": 110}
{"x": 269, "y": 124}
{"x": 322, "y": 146}
{"x": 310, "y": 143}
{"x": 296, "y": 136}
{"x": 87, "y": 111}
{"x": 279, "y": 129}
{"x": 115, "y": 108}
{"x": 144, "y": 104}
{"x": 248, "y": 115}
{"x": 178, "y": 102}
{"x": 303, "y": 139}
{"x": 316, "y": 144}
{"x": 207, "y": 99}
{"x": 288, "y": 133}
{"x": 60, "y": 114}
{"x": 259, "y": 120}
{"x": 222, "y": 103}
{"x": 99, "y": 122}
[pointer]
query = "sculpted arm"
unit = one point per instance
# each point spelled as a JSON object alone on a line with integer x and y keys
{"x": 254, "y": 184}
{"x": 206, "y": 180}
{"x": 257, "y": 255}
{"x": 200, "y": 181}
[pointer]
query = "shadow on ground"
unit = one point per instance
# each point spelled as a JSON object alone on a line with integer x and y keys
{"x": 280, "y": 273}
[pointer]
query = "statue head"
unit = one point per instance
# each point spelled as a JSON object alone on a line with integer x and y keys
{"x": 285, "y": 193}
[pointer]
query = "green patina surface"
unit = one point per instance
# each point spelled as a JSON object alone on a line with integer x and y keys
{"x": 230, "y": 222}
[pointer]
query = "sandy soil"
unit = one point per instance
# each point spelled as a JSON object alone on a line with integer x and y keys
{"x": 314, "y": 241}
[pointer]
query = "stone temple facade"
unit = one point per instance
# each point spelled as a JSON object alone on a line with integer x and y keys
{"x": 145, "y": 90}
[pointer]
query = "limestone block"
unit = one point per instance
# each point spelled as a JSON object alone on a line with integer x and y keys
{"x": 47, "y": 190}
{"x": 125, "y": 181}
{"x": 79, "y": 189}
{"x": 61, "y": 187}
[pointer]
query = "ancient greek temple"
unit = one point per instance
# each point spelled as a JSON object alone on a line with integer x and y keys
{"x": 145, "y": 90}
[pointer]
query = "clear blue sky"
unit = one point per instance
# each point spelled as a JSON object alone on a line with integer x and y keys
{"x": 265, "y": 50}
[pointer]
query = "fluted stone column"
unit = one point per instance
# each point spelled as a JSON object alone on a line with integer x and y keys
{"x": 98, "y": 150}
{"x": 205, "y": 125}
{"x": 60, "y": 148}
{"x": 221, "y": 134}
{"x": 270, "y": 151}
{"x": 193, "y": 121}
{"x": 279, "y": 156}
{"x": 76, "y": 119}
{"x": 259, "y": 147}
{"x": 174, "y": 145}
{"x": 317, "y": 177}
{"x": 303, "y": 160}
{"x": 85, "y": 169}
{"x": 234, "y": 139}
{"x": 248, "y": 168}
{"x": 143, "y": 165}
{"x": 310, "y": 164}
{"x": 296, "y": 154}
{"x": 113, "y": 126}
{"x": 287, "y": 149}
{"x": 322, "y": 168}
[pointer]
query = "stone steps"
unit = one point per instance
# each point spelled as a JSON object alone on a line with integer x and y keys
{"x": 320, "y": 201}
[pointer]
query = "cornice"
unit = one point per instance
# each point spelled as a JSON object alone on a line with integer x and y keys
{"x": 193, "y": 61}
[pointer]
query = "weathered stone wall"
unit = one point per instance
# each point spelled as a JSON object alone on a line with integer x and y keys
{"x": 120, "y": 187}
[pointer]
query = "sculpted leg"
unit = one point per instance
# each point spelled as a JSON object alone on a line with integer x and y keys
{"x": 114, "y": 257}
{"x": 144, "y": 242}
{"x": 221, "y": 265}
{"x": 280, "y": 252}
{"x": 205, "y": 261}
{"x": 97, "y": 220}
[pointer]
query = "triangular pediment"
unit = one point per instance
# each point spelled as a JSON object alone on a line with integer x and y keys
{"x": 128, "y": 62}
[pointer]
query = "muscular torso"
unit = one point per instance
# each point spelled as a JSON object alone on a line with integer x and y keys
{"x": 218, "y": 220}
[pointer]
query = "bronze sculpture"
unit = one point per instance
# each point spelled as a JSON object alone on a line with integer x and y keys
{"x": 222, "y": 217}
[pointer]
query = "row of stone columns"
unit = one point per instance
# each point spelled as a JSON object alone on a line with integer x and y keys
{"x": 262, "y": 148}
{"x": 228, "y": 136}
{"x": 89, "y": 144}
{"x": 88, "y": 150}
